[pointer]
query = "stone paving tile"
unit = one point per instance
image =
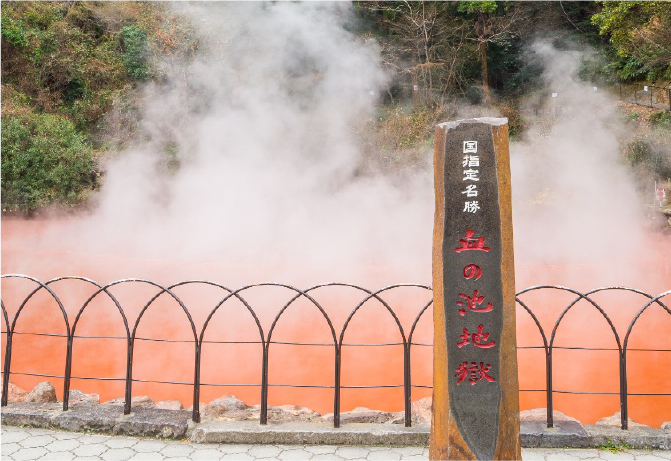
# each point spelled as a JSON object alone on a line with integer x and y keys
{"x": 58, "y": 456}
{"x": 226, "y": 449}
{"x": 117, "y": 454}
{"x": 326, "y": 457}
{"x": 581, "y": 453}
{"x": 175, "y": 450}
{"x": 9, "y": 436}
{"x": 264, "y": 451}
{"x": 92, "y": 449}
{"x": 86, "y": 458}
{"x": 65, "y": 435}
{"x": 39, "y": 441}
{"x": 645, "y": 456}
{"x": 26, "y": 454}
{"x": 61, "y": 445}
{"x": 403, "y": 451}
{"x": 121, "y": 442}
{"x": 236, "y": 457}
{"x": 149, "y": 446}
{"x": 295, "y": 454}
{"x": 9, "y": 448}
{"x": 147, "y": 457}
{"x": 383, "y": 455}
{"x": 94, "y": 438}
{"x": 415, "y": 458}
{"x": 206, "y": 454}
{"x": 352, "y": 452}
{"x": 319, "y": 449}
{"x": 619, "y": 456}
{"x": 533, "y": 454}
{"x": 559, "y": 456}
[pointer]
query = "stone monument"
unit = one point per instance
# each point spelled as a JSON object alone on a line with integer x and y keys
{"x": 475, "y": 389}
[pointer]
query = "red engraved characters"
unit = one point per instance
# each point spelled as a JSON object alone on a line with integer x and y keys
{"x": 478, "y": 339}
{"x": 470, "y": 243}
{"x": 472, "y": 303}
{"x": 475, "y": 372}
{"x": 472, "y": 271}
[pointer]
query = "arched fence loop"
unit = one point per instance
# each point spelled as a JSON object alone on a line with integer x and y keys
{"x": 336, "y": 341}
{"x": 10, "y": 331}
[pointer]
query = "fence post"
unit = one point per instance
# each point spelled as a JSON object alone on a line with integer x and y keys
{"x": 336, "y": 387}
{"x": 5, "y": 376}
{"x": 624, "y": 416}
{"x": 129, "y": 375}
{"x": 548, "y": 385}
{"x": 264, "y": 385}
{"x": 406, "y": 385}
{"x": 195, "y": 414}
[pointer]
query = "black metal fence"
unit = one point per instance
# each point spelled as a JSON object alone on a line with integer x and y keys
{"x": 648, "y": 95}
{"x": 265, "y": 339}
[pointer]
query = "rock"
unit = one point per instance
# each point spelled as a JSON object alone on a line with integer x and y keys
{"x": 616, "y": 420}
{"x": 398, "y": 417}
{"x": 44, "y": 392}
{"x": 361, "y": 415}
{"x": 541, "y": 414}
{"x": 76, "y": 396}
{"x": 139, "y": 401}
{"x": 666, "y": 426}
{"x": 286, "y": 413}
{"x": 224, "y": 404}
{"x": 201, "y": 407}
{"x": 14, "y": 393}
{"x": 421, "y": 410}
{"x": 170, "y": 405}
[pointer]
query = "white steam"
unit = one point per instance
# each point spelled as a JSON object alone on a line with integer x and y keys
{"x": 574, "y": 200}
{"x": 263, "y": 124}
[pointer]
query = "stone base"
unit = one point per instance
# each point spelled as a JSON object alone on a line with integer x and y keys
{"x": 176, "y": 424}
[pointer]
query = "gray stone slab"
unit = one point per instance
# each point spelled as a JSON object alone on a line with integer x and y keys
{"x": 78, "y": 418}
{"x": 536, "y": 434}
{"x": 309, "y": 434}
{"x": 637, "y": 437}
{"x": 150, "y": 422}
{"x": 28, "y": 414}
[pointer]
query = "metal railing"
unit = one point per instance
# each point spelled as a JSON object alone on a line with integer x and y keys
{"x": 265, "y": 340}
{"x": 651, "y": 96}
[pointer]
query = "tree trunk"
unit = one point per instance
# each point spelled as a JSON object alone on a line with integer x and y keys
{"x": 482, "y": 51}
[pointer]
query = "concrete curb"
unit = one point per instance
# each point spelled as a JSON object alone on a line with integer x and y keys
{"x": 174, "y": 424}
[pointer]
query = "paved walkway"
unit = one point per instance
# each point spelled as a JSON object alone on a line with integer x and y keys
{"x": 19, "y": 444}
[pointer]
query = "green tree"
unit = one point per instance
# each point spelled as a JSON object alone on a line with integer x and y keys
{"x": 45, "y": 161}
{"x": 493, "y": 22}
{"x": 640, "y": 32}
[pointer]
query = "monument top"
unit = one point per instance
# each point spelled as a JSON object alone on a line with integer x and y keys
{"x": 494, "y": 121}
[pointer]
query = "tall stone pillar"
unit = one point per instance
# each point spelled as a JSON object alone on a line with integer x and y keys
{"x": 475, "y": 387}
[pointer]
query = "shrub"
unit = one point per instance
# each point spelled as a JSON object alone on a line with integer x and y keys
{"x": 45, "y": 161}
{"x": 661, "y": 119}
{"x": 134, "y": 46}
